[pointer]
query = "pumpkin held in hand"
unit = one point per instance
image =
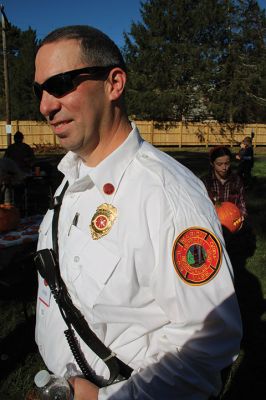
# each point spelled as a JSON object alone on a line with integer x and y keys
{"x": 229, "y": 215}
{"x": 9, "y": 217}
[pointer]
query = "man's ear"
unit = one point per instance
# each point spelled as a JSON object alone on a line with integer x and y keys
{"x": 115, "y": 83}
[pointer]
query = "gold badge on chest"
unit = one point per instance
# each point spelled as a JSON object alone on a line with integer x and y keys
{"x": 102, "y": 220}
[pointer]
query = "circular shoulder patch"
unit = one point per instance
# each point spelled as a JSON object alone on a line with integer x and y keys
{"x": 197, "y": 255}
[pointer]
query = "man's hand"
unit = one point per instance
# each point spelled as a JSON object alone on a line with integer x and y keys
{"x": 84, "y": 389}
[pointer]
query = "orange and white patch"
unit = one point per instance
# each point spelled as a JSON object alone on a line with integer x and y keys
{"x": 197, "y": 255}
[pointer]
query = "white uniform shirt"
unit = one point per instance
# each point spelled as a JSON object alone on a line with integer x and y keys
{"x": 176, "y": 335}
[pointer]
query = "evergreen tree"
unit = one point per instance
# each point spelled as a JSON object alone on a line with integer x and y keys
{"x": 158, "y": 59}
{"x": 21, "y": 49}
{"x": 239, "y": 92}
{"x": 24, "y": 104}
{"x": 184, "y": 60}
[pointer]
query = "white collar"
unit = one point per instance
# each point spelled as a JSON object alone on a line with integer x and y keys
{"x": 110, "y": 170}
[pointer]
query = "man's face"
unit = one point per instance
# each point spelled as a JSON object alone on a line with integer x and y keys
{"x": 221, "y": 166}
{"x": 77, "y": 117}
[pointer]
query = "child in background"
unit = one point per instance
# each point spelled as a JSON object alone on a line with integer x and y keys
{"x": 246, "y": 160}
{"x": 222, "y": 183}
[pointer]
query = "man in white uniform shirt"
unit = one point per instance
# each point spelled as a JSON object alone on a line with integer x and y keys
{"x": 140, "y": 247}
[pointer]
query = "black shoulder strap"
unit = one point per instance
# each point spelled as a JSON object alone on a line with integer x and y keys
{"x": 72, "y": 315}
{"x": 57, "y": 201}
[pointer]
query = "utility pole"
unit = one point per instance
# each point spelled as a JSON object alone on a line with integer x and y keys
{"x": 6, "y": 78}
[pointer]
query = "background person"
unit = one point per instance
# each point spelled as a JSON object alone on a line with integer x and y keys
{"x": 10, "y": 177}
{"x": 246, "y": 160}
{"x": 21, "y": 153}
{"x": 222, "y": 183}
{"x": 130, "y": 219}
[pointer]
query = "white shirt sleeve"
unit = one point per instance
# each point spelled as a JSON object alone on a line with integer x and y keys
{"x": 204, "y": 330}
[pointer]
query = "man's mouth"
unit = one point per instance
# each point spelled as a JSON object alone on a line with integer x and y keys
{"x": 59, "y": 127}
{"x": 59, "y": 124}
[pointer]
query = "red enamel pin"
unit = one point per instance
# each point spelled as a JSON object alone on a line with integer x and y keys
{"x": 108, "y": 188}
{"x": 197, "y": 255}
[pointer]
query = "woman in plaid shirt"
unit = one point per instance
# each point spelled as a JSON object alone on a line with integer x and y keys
{"x": 221, "y": 183}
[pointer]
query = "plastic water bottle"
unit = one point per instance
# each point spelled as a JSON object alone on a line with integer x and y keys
{"x": 52, "y": 387}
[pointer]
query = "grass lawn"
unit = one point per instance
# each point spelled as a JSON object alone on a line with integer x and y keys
{"x": 19, "y": 358}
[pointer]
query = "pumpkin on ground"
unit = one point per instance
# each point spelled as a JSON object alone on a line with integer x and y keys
{"x": 229, "y": 215}
{"x": 9, "y": 217}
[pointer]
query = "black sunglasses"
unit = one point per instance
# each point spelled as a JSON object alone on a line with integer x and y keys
{"x": 61, "y": 84}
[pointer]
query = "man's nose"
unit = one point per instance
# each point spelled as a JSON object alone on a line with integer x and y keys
{"x": 49, "y": 104}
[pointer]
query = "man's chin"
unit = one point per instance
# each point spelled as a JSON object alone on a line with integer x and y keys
{"x": 64, "y": 142}
{"x": 69, "y": 146}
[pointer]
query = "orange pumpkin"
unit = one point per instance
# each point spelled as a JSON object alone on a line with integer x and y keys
{"x": 229, "y": 215}
{"x": 9, "y": 217}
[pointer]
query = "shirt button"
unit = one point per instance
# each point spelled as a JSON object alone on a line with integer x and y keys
{"x": 76, "y": 258}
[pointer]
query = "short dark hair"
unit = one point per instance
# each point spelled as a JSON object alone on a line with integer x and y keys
{"x": 219, "y": 151}
{"x": 97, "y": 48}
{"x": 247, "y": 140}
{"x": 18, "y": 137}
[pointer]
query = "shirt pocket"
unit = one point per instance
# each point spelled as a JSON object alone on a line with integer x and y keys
{"x": 89, "y": 266}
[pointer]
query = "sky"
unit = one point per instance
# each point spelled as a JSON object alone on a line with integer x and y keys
{"x": 111, "y": 16}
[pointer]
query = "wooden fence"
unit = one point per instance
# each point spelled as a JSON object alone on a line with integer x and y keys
{"x": 179, "y": 134}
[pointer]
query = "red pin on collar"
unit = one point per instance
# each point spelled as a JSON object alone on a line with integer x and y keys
{"x": 108, "y": 188}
